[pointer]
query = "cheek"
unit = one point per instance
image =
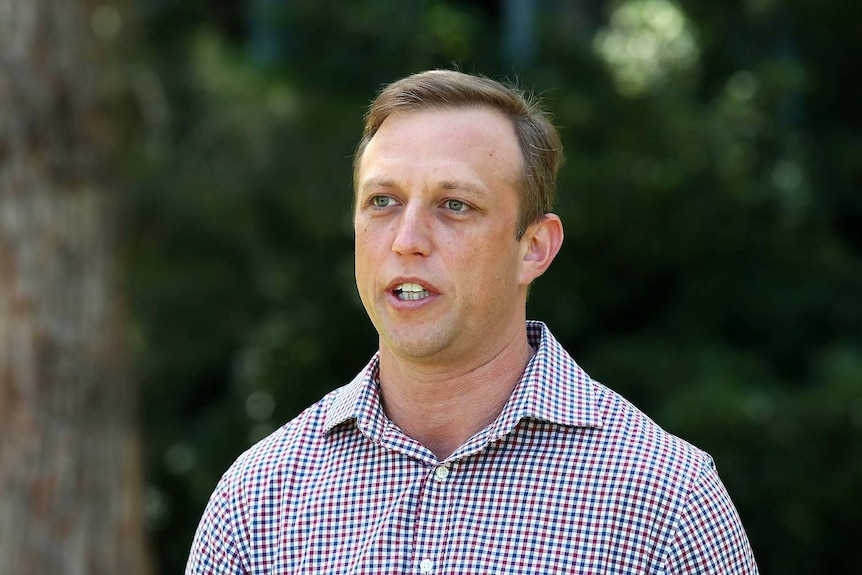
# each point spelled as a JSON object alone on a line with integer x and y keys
{"x": 365, "y": 239}
{"x": 488, "y": 266}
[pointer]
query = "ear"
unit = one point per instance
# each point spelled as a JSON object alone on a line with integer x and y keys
{"x": 539, "y": 246}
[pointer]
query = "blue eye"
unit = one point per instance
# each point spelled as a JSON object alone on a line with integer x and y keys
{"x": 382, "y": 201}
{"x": 457, "y": 205}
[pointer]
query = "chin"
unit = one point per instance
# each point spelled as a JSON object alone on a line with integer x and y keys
{"x": 416, "y": 345}
{"x": 414, "y": 349}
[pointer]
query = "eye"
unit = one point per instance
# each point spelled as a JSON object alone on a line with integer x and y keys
{"x": 456, "y": 205}
{"x": 382, "y": 201}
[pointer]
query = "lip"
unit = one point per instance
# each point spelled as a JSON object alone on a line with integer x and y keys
{"x": 403, "y": 280}
{"x": 410, "y": 304}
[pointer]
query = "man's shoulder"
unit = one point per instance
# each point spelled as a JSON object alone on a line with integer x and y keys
{"x": 621, "y": 426}
{"x": 285, "y": 448}
{"x": 636, "y": 437}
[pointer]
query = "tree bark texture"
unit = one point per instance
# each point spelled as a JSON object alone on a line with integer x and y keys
{"x": 70, "y": 477}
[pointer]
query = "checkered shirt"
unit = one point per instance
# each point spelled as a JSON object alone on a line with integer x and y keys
{"x": 570, "y": 478}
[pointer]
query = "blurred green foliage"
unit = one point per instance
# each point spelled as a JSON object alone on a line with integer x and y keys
{"x": 712, "y": 269}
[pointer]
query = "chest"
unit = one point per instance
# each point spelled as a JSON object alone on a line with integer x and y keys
{"x": 553, "y": 506}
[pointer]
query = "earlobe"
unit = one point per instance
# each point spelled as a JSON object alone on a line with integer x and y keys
{"x": 541, "y": 244}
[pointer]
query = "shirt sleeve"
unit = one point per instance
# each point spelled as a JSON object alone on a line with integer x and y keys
{"x": 216, "y": 549}
{"x": 709, "y": 537}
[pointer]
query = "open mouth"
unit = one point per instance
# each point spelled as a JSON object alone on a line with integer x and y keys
{"x": 409, "y": 291}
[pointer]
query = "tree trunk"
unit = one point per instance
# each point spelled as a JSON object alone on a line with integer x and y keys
{"x": 70, "y": 477}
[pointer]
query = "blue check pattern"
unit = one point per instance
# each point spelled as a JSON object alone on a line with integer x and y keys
{"x": 570, "y": 478}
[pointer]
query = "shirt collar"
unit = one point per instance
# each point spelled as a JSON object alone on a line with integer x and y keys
{"x": 553, "y": 388}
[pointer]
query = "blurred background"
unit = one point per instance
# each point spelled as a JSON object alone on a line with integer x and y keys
{"x": 712, "y": 201}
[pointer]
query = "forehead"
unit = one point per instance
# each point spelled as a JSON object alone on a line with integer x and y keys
{"x": 475, "y": 139}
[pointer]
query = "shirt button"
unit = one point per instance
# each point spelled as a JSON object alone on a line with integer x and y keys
{"x": 427, "y": 565}
{"x": 441, "y": 473}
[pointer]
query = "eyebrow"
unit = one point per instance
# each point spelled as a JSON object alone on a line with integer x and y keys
{"x": 378, "y": 183}
{"x": 453, "y": 185}
{"x": 460, "y": 186}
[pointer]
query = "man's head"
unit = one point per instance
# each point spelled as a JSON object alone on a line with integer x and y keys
{"x": 540, "y": 146}
{"x": 439, "y": 195}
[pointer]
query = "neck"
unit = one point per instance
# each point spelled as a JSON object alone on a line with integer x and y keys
{"x": 443, "y": 406}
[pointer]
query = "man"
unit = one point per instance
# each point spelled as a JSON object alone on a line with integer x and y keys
{"x": 472, "y": 442}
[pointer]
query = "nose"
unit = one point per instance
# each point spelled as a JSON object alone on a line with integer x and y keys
{"x": 412, "y": 233}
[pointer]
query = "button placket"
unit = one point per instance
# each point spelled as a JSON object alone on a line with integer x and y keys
{"x": 433, "y": 520}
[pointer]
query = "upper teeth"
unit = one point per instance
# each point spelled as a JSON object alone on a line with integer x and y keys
{"x": 411, "y": 291}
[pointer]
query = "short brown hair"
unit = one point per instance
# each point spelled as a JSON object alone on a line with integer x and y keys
{"x": 541, "y": 148}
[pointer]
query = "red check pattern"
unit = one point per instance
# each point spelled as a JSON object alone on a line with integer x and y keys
{"x": 570, "y": 478}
